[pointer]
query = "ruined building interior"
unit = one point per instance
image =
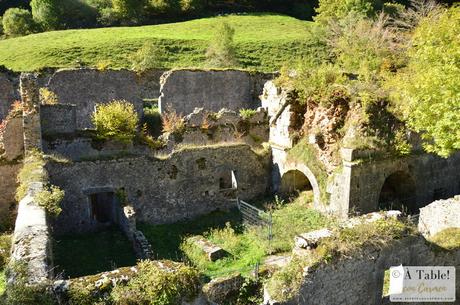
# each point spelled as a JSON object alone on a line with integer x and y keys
{"x": 220, "y": 155}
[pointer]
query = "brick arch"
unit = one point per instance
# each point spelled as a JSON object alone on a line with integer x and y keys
{"x": 300, "y": 167}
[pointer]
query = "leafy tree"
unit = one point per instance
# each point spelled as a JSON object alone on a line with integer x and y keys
{"x": 428, "y": 91}
{"x": 192, "y": 6}
{"x": 169, "y": 6}
{"x": 47, "y": 13}
{"x": 17, "y": 22}
{"x": 128, "y": 10}
{"x": 221, "y": 51}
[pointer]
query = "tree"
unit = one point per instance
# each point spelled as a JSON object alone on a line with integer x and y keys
{"x": 17, "y": 22}
{"x": 47, "y": 13}
{"x": 128, "y": 10}
{"x": 427, "y": 91}
{"x": 221, "y": 51}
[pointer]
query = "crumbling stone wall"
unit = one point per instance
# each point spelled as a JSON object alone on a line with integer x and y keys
{"x": 185, "y": 90}
{"x": 439, "y": 215}
{"x": 203, "y": 127}
{"x": 183, "y": 185}
{"x": 87, "y": 87}
{"x": 8, "y": 91}
{"x": 359, "y": 279}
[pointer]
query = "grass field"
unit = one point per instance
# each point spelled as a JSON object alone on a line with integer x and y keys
{"x": 263, "y": 41}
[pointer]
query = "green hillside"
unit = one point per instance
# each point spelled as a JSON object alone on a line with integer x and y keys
{"x": 263, "y": 42}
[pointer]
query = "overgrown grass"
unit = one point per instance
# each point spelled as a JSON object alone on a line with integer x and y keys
{"x": 32, "y": 171}
{"x": 262, "y": 42}
{"x": 249, "y": 245}
{"x": 79, "y": 255}
{"x": 448, "y": 239}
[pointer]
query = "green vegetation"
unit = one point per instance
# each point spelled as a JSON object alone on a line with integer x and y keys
{"x": 306, "y": 153}
{"x": 154, "y": 283}
{"x": 21, "y": 292}
{"x": 262, "y": 42}
{"x": 76, "y": 255}
{"x": 158, "y": 286}
{"x": 17, "y": 22}
{"x": 221, "y": 51}
{"x": 31, "y": 171}
{"x": 285, "y": 283}
{"x": 247, "y": 245}
{"x": 247, "y": 113}
{"x": 50, "y": 198}
{"x": 5, "y": 252}
{"x": 148, "y": 56}
{"x": 116, "y": 120}
{"x": 448, "y": 239}
{"x": 427, "y": 89}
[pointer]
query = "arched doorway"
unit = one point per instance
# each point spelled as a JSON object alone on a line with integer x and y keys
{"x": 294, "y": 181}
{"x": 398, "y": 193}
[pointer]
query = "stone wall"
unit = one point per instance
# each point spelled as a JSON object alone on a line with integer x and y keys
{"x": 58, "y": 119}
{"x": 31, "y": 238}
{"x": 8, "y": 185}
{"x": 85, "y": 88}
{"x": 8, "y": 91}
{"x": 184, "y": 185}
{"x": 185, "y": 90}
{"x": 208, "y": 128}
{"x": 439, "y": 215}
{"x": 358, "y": 279}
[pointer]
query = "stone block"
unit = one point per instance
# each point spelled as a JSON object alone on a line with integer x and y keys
{"x": 219, "y": 290}
{"x": 310, "y": 240}
{"x": 212, "y": 251}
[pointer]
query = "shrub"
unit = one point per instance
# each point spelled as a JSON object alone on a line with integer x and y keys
{"x": 48, "y": 97}
{"x": 173, "y": 122}
{"x": 17, "y": 22}
{"x": 159, "y": 286}
{"x": 247, "y": 113}
{"x": 116, "y": 120}
{"x": 165, "y": 6}
{"x": 50, "y": 198}
{"x": 336, "y": 9}
{"x": 149, "y": 56}
{"x": 221, "y": 51}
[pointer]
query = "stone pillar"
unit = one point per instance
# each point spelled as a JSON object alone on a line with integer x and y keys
{"x": 31, "y": 117}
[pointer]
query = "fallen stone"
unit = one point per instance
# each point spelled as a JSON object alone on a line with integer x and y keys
{"x": 310, "y": 240}
{"x": 219, "y": 290}
{"x": 212, "y": 251}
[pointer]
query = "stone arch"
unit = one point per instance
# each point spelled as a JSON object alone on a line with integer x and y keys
{"x": 302, "y": 178}
{"x": 398, "y": 192}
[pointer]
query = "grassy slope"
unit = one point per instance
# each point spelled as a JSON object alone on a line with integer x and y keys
{"x": 264, "y": 42}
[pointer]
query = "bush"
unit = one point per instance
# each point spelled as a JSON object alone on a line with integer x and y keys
{"x": 165, "y": 6}
{"x": 17, "y": 22}
{"x": 221, "y": 51}
{"x": 159, "y": 286}
{"x": 173, "y": 122}
{"x": 149, "y": 56}
{"x": 48, "y": 97}
{"x": 116, "y": 120}
{"x": 50, "y": 198}
{"x": 247, "y": 113}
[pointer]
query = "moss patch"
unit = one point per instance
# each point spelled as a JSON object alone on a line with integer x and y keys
{"x": 448, "y": 239}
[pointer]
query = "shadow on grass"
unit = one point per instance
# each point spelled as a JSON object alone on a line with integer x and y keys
{"x": 166, "y": 239}
{"x": 91, "y": 253}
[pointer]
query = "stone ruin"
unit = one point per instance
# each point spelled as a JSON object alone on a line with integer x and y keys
{"x": 191, "y": 175}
